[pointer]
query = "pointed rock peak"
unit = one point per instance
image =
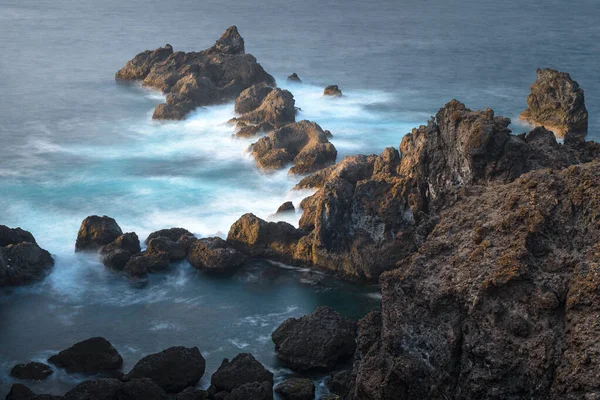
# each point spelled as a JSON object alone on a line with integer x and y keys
{"x": 231, "y": 42}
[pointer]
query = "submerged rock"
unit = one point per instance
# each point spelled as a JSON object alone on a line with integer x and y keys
{"x": 89, "y": 356}
{"x": 557, "y": 103}
{"x": 173, "y": 369}
{"x": 96, "y": 232}
{"x": 242, "y": 369}
{"x": 296, "y": 389}
{"x": 32, "y": 370}
{"x": 212, "y": 76}
{"x": 215, "y": 255}
{"x": 303, "y": 144}
{"x": 332, "y": 90}
{"x": 294, "y": 78}
{"x": 318, "y": 341}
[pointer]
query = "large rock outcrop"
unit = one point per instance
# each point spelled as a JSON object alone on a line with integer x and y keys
{"x": 303, "y": 144}
{"x": 212, "y": 76}
{"x": 264, "y": 112}
{"x": 499, "y": 302}
{"x": 89, "y": 356}
{"x": 557, "y": 103}
{"x": 95, "y": 232}
{"x": 318, "y": 341}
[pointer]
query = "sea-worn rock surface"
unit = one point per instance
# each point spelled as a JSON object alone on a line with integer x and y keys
{"x": 296, "y": 389}
{"x": 95, "y": 232}
{"x": 214, "y": 255}
{"x": 89, "y": 356}
{"x": 22, "y": 261}
{"x": 212, "y": 76}
{"x": 318, "y": 341}
{"x": 557, "y": 103}
{"x": 32, "y": 370}
{"x": 294, "y": 78}
{"x": 333, "y": 91}
{"x": 287, "y": 207}
{"x": 241, "y": 370}
{"x": 275, "y": 109}
{"x": 116, "y": 254}
{"x": 303, "y": 144}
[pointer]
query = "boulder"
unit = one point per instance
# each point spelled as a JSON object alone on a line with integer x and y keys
{"x": 144, "y": 263}
{"x": 557, "y": 103}
{"x": 174, "y": 234}
{"x": 287, "y": 207}
{"x": 10, "y": 236}
{"x": 192, "y": 394}
{"x": 96, "y": 232}
{"x": 251, "y": 98}
{"x": 173, "y": 369}
{"x": 254, "y": 391}
{"x": 277, "y": 109}
{"x": 215, "y": 255}
{"x": 89, "y": 356}
{"x": 332, "y": 90}
{"x": 116, "y": 254}
{"x": 294, "y": 78}
{"x": 23, "y": 263}
{"x": 339, "y": 382}
{"x": 303, "y": 144}
{"x": 194, "y": 79}
{"x": 243, "y": 369}
{"x": 141, "y": 389}
{"x": 318, "y": 341}
{"x": 296, "y": 389}
{"x": 32, "y": 370}
{"x": 19, "y": 391}
{"x": 113, "y": 389}
{"x": 163, "y": 244}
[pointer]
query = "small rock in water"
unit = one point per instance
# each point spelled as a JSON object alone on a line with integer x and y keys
{"x": 294, "y": 78}
{"x": 288, "y": 206}
{"x": 96, "y": 232}
{"x": 89, "y": 356}
{"x": 31, "y": 370}
{"x": 332, "y": 90}
{"x": 243, "y": 369}
{"x": 296, "y": 389}
{"x": 215, "y": 255}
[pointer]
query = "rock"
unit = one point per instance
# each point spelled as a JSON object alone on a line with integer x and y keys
{"x": 557, "y": 103}
{"x": 23, "y": 263}
{"x": 277, "y": 109}
{"x": 261, "y": 239}
{"x": 31, "y": 370}
{"x": 330, "y": 397}
{"x": 212, "y": 76}
{"x": 328, "y": 134}
{"x": 192, "y": 394}
{"x": 286, "y": 207}
{"x": 216, "y": 256}
{"x": 318, "y": 341}
{"x": 510, "y": 273}
{"x": 163, "y": 244}
{"x": 116, "y": 254}
{"x": 302, "y": 143}
{"x": 144, "y": 263}
{"x": 351, "y": 169}
{"x": 172, "y": 233}
{"x": 243, "y": 369}
{"x": 20, "y": 392}
{"x": 141, "y": 389}
{"x": 339, "y": 382}
{"x": 332, "y": 90}
{"x": 251, "y": 98}
{"x": 254, "y": 391}
{"x": 294, "y": 78}
{"x": 89, "y": 356}
{"x": 96, "y": 232}
{"x": 10, "y": 236}
{"x": 173, "y": 369}
{"x": 113, "y": 389}
{"x": 296, "y": 389}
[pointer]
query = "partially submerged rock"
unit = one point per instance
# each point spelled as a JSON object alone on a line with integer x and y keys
{"x": 113, "y": 389}
{"x": 251, "y": 98}
{"x": 241, "y": 370}
{"x": 89, "y": 356}
{"x": 95, "y": 232}
{"x": 333, "y": 91}
{"x": 10, "y": 236}
{"x": 24, "y": 262}
{"x": 557, "y": 103}
{"x": 32, "y": 370}
{"x": 303, "y": 144}
{"x": 212, "y": 76}
{"x": 296, "y": 389}
{"x": 318, "y": 341}
{"x": 144, "y": 263}
{"x": 173, "y": 369}
{"x": 214, "y": 255}
{"x": 294, "y": 78}
{"x": 175, "y": 234}
{"x": 116, "y": 254}
{"x": 287, "y": 207}
{"x": 254, "y": 391}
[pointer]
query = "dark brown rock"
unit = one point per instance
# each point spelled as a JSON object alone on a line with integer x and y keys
{"x": 172, "y": 233}
{"x": 215, "y": 255}
{"x": 96, "y": 232}
{"x": 89, "y": 356}
{"x": 318, "y": 341}
{"x": 286, "y": 207}
{"x": 32, "y": 370}
{"x": 294, "y": 78}
{"x": 163, "y": 244}
{"x": 116, "y": 254}
{"x": 173, "y": 369}
{"x": 144, "y": 263}
{"x": 23, "y": 263}
{"x": 277, "y": 109}
{"x": 251, "y": 98}
{"x": 332, "y": 90}
{"x": 243, "y": 369}
{"x": 10, "y": 236}
{"x": 296, "y": 389}
{"x": 557, "y": 103}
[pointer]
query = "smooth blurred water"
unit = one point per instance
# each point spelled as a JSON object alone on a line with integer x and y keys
{"x": 74, "y": 143}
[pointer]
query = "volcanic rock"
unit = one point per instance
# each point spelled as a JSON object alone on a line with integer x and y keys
{"x": 96, "y": 232}
{"x": 10, "y": 236}
{"x": 332, "y": 90}
{"x": 172, "y": 233}
{"x": 296, "y": 389}
{"x": 277, "y": 108}
{"x": 89, "y": 356}
{"x": 251, "y": 98}
{"x": 286, "y": 207}
{"x": 23, "y": 262}
{"x": 294, "y": 78}
{"x": 32, "y": 370}
{"x": 254, "y": 391}
{"x": 116, "y": 254}
{"x": 243, "y": 369}
{"x": 215, "y": 255}
{"x": 141, "y": 264}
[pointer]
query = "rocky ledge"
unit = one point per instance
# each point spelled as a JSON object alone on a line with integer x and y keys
{"x": 212, "y": 76}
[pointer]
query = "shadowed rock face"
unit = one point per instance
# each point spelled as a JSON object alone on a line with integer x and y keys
{"x": 214, "y": 255}
{"x": 89, "y": 356}
{"x": 557, "y": 103}
{"x": 212, "y": 76}
{"x": 31, "y": 370}
{"x": 95, "y": 232}
{"x": 500, "y": 301}
{"x": 21, "y": 260}
{"x": 277, "y": 108}
{"x": 242, "y": 370}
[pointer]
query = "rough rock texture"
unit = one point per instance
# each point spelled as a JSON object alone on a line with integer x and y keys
{"x": 174, "y": 234}
{"x": 254, "y": 391}
{"x": 303, "y": 144}
{"x": 212, "y": 76}
{"x": 113, "y": 389}
{"x": 19, "y": 391}
{"x": 261, "y": 239}
{"x": 96, "y": 232}
{"x": 89, "y": 356}
{"x": 318, "y": 341}
{"x": 277, "y": 109}
{"x": 339, "y": 382}
{"x": 296, "y": 389}
{"x": 215, "y": 255}
{"x": 173, "y": 369}
{"x": 294, "y": 78}
{"x": 332, "y": 90}
{"x": 116, "y": 254}
{"x": 22, "y": 261}
{"x": 10, "y": 236}
{"x": 557, "y": 102}
{"x": 144, "y": 263}
{"x": 192, "y": 394}
{"x": 287, "y": 207}
{"x": 32, "y": 370}
{"x": 243, "y": 369}
{"x": 163, "y": 244}
{"x": 251, "y": 98}
{"x": 500, "y": 302}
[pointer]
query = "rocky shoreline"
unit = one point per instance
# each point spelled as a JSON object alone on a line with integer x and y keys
{"x": 485, "y": 244}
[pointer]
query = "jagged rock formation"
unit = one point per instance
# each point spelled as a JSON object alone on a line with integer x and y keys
{"x": 500, "y": 301}
{"x": 212, "y": 76}
{"x": 275, "y": 109}
{"x": 287, "y": 207}
{"x": 557, "y": 103}
{"x": 21, "y": 259}
{"x": 296, "y": 389}
{"x": 116, "y": 254}
{"x": 303, "y": 144}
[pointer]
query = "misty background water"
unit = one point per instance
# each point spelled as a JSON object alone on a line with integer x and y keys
{"x": 75, "y": 143}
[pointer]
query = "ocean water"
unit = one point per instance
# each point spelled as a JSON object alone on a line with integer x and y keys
{"x": 73, "y": 142}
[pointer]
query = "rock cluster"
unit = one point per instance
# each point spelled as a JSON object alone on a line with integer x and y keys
{"x": 212, "y": 76}
{"x": 21, "y": 259}
{"x": 557, "y": 103}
